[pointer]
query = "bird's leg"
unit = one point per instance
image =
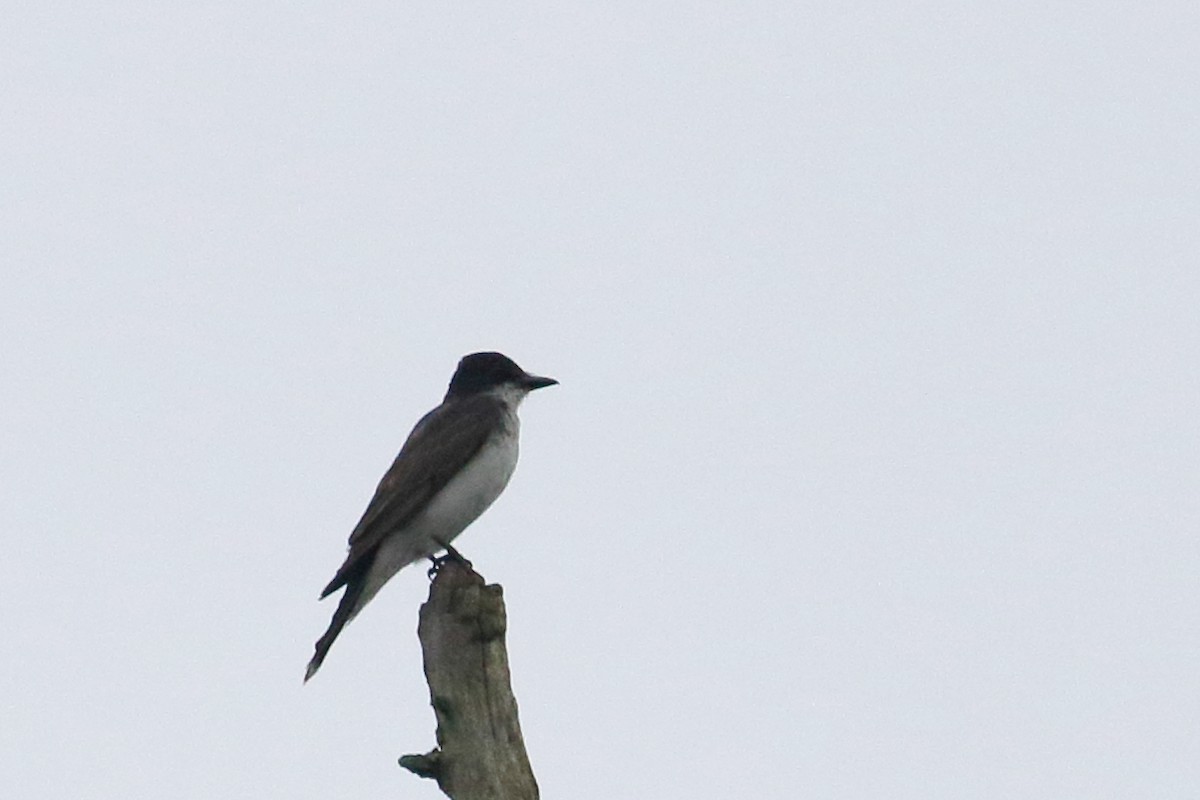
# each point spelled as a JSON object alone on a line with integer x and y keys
{"x": 451, "y": 555}
{"x": 457, "y": 556}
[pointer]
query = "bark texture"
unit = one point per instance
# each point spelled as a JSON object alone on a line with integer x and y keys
{"x": 480, "y": 753}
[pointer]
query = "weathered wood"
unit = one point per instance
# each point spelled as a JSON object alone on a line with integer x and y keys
{"x": 480, "y": 753}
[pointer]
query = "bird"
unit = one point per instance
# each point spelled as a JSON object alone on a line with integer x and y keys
{"x": 454, "y": 464}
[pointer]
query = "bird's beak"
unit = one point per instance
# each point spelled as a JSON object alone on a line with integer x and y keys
{"x": 537, "y": 382}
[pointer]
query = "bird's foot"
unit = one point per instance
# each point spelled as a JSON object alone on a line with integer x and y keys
{"x": 451, "y": 555}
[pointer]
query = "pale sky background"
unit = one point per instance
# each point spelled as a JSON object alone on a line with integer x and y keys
{"x": 873, "y": 471}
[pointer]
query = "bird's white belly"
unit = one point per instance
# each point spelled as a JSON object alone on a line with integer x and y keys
{"x": 469, "y": 493}
{"x": 450, "y": 511}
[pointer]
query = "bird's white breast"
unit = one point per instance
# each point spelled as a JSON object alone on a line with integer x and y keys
{"x": 457, "y": 505}
{"x": 471, "y": 491}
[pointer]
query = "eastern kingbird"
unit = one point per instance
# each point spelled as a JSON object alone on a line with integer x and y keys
{"x": 454, "y": 464}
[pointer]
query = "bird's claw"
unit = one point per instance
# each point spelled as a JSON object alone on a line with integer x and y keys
{"x": 436, "y": 562}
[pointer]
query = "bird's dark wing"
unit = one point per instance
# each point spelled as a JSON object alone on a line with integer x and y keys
{"x": 438, "y": 447}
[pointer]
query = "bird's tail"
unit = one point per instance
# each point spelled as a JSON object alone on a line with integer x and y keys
{"x": 345, "y": 612}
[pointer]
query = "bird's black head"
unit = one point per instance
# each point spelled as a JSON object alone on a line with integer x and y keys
{"x": 480, "y": 372}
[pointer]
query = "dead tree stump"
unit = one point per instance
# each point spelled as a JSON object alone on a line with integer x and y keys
{"x": 480, "y": 754}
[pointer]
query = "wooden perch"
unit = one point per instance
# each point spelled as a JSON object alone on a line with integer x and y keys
{"x": 480, "y": 753}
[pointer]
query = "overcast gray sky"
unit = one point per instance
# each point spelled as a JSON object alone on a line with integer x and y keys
{"x": 872, "y": 474}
